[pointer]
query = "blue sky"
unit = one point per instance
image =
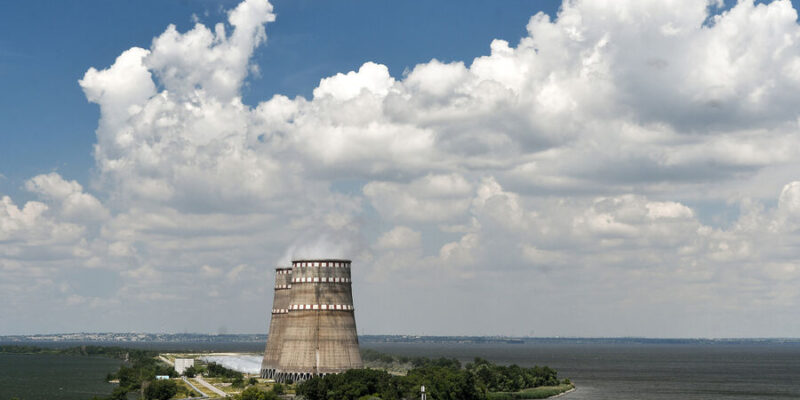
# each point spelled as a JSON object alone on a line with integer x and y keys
{"x": 47, "y": 46}
{"x": 623, "y": 168}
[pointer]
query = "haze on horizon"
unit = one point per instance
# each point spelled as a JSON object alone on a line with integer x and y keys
{"x": 617, "y": 168}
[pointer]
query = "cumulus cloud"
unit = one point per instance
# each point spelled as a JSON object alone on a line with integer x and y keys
{"x": 73, "y": 202}
{"x": 401, "y": 237}
{"x": 165, "y": 145}
{"x": 628, "y": 155}
{"x": 789, "y": 200}
{"x": 371, "y": 78}
{"x": 38, "y": 231}
{"x": 213, "y": 62}
{"x": 430, "y": 198}
{"x": 16, "y": 221}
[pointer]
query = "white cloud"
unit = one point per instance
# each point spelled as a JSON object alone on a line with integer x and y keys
{"x": 430, "y": 198}
{"x": 668, "y": 209}
{"x": 789, "y": 200}
{"x": 120, "y": 91}
{"x": 501, "y": 208}
{"x": 214, "y": 62}
{"x": 437, "y": 79}
{"x": 16, "y": 220}
{"x": 461, "y": 253}
{"x": 75, "y": 205}
{"x": 400, "y": 237}
{"x": 595, "y": 166}
{"x": 371, "y": 77}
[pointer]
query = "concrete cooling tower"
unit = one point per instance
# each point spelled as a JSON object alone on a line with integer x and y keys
{"x": 317, "y": 334}
{"x": 280, "y": 309}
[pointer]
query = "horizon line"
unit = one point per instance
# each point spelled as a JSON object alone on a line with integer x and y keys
{"x": 425, "y": 336}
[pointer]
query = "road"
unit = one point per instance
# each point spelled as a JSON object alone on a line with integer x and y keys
{"x": 202, "y": 393}
{"x": 200, "y": 380}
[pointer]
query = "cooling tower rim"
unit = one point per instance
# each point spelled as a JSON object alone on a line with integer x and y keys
{"x": 322, "y": 260}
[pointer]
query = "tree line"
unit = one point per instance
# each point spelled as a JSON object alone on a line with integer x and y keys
{"x": 88, "y": 350}
{"x": 443, "y": 378}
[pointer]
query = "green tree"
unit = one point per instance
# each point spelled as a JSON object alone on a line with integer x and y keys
{"x": 216, "y": 370}
{"x": 313, "y": 389}
{"x": 190, "y": 372}
{"x": 119, "y": 393}
{"x": 444, "y": 379}
{"x": 161, "y": 390}
{"x": 254, "y": 393}
{"x": 512, "y": 378}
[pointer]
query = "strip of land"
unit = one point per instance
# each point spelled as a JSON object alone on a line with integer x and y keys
{"x": 541, "y": 392}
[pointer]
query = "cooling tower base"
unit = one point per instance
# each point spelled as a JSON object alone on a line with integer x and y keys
{"x": 285, "y": 376}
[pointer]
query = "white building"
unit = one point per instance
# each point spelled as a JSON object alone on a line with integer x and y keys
{"x": 181, "y": 364}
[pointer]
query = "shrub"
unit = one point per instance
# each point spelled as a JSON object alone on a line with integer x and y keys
{"x": 161, "y": 390}
{"x": 254, "y": 393}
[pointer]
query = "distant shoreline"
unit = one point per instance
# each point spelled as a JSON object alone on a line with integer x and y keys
{"x": 130, "y": 338}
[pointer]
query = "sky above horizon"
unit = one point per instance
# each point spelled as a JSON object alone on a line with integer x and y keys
{"x": 592, "y": 168}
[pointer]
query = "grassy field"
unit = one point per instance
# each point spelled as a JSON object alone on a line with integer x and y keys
{"x": 186, "y": 392}
{"x": 223, "y": 384}
{"x": 227, "y": 387}
{"x": 541, "y": 392}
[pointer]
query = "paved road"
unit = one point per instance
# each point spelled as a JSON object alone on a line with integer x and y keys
{"x": 202, "y": 394}
{"x": 199, "y": 379}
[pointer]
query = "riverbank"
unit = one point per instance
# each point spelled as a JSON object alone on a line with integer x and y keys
{"x": 541, "y": 392}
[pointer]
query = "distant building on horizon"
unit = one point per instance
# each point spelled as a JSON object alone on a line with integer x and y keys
{"x": 312, "y": 328}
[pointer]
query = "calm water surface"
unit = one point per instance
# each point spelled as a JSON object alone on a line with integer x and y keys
{"x": 49, "y": 376}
